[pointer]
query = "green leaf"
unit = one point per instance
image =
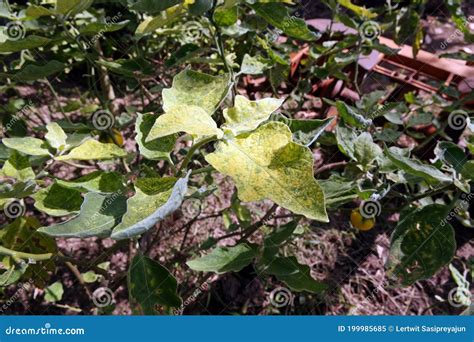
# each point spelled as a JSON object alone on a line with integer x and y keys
{"x": 36, "y": 71}
{"x": 294, "y": 275}
{"x": 346, "y": 138}
{"x": 306, "y": 132}
{"x": 200, "y": 7}
{"x": 226, "y": 16}
{"x": 18, "y": 167}
{"x": 267, "y": 164}
{"x": 247, "y": 115}
{"x": 451, "y": 154}
{"x": 71, "y": 7}
{"x": 56, "y": 136}
{"x": 27, "y": 145}
{"x": 97, "y": 181}
{"x": 54, "y": 292}
{"x": 365, "y": 150}
{"x": 56, "y": 200}
{"x": 34, "y": 11}
{"x": 165, "y": 18}
{"x": 22, "y": 236}
{"x": 150, "y": 284}
{"x": 28, "y": 43}
{"x": 225, "y": 259}
{"x": 94, "y": 150}
{"x": 156, "y": 149}
{"x": 196, "y": 89}
{"x": 468, "y": 170}
{"x": 190, "y": 119}
{"x": 17, "y": 190}
{"x": 352, "y": 116}
{"x": 153, "y": 7}
{"x": 360, "y": 11}
{"x": 421, "y": 244}
{"x": 13, "y": 274}
{"x": 277, "y": 15}
{"x": 276, "y": 239}
{"x": 94, "y": 28}
{"x": 154, "y": 199}
{"x": 415, "y": 167}
{"x": 99, "y": 214}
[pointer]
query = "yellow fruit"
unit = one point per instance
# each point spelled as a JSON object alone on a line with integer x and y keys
{"x": 360, "y": 222}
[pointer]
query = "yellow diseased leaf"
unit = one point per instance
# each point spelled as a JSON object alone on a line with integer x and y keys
{"x": 196, "y": 89}
{"x": 267, "y": 164}
{"x": 247, "y": 115}
{"x": 190, "y": 119}
{"x": 94, "y": 150}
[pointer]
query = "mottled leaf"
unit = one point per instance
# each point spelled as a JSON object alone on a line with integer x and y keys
{"x": 97, "y": 181}
{"x": 196, "y": 89}
{"x": 56, "y": 136}
{"x": 156, "y": 149}
{"x": 190, "y": 119}
{"x": 247, "y": 115}
{"x": 18, "y": 166}
{"x": 94, "y": 150}
{"x": 27, "y": 145}
{"x": 154, "y": 199}
{"x": 267, "y": 164}
{"x": 56, "y": 200}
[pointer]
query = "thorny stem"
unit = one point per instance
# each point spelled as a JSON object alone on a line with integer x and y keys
{"x": 431, "y": 193}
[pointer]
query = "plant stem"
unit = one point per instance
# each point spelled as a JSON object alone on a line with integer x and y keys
{"x": 21, "y": 255}
{"x": 56, "y": 98}
{"x": 431, "y": 193}
{"x": 191, "y": 152}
